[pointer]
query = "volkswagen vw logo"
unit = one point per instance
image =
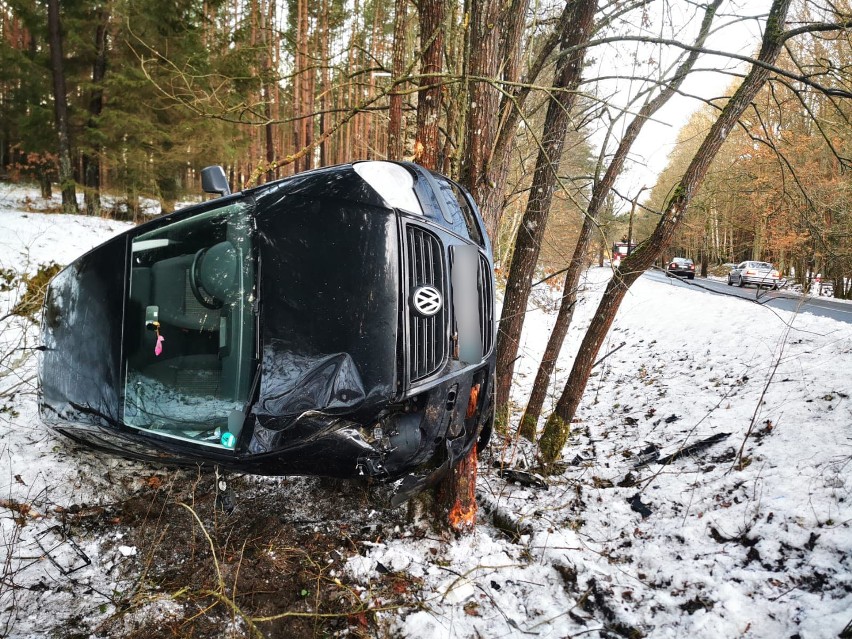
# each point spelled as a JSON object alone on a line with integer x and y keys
{"x": 426, "y": 300}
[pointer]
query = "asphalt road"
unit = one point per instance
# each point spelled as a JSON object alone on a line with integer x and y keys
{"x": 788, "y": 301}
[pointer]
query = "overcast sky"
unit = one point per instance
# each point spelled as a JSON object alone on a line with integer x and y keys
{"x": 712, "y": 78}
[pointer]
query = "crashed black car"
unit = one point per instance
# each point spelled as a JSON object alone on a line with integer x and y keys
{"x": 339, "y": 322}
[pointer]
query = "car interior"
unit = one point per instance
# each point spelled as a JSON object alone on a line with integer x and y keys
{"x": 189, "y": 327}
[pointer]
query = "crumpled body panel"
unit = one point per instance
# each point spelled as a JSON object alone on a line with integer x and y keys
{"x": 298, "y": 383}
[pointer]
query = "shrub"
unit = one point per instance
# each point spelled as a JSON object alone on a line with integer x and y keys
{"x": 36, "y": 286}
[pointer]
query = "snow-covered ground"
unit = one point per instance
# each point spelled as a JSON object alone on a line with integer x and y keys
{"x": 696, "y": 547}
{"x": 709, "y": 544}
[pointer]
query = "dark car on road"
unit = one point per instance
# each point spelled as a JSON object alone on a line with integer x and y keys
{"x": 681, "y": 267}
{"x": 757, "y": 273}
{"x": 339, "y": 322}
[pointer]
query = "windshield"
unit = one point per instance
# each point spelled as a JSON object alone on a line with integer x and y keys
{"x": 189, "y": 327}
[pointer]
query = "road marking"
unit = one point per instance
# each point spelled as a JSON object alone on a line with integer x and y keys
{"x": 828, "y": 308}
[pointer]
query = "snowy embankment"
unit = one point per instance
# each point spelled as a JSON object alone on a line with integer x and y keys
{"x": 708, "y": 544}
{"x": 700, "y": 546}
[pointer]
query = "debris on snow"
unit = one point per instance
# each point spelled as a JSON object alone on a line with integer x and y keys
{"x": 523, "y": 477}
{"x": 702, "y": 551}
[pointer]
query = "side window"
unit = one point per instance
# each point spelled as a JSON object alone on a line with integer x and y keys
{"x": 468, "y": 214}
{"x": 463, "y": 220}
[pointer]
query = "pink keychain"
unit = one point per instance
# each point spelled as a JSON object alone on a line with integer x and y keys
{"x": 158, "y": 348}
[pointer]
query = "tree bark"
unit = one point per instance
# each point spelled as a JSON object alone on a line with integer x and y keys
{"x": 269, "y": 127}
{"x": 325, "y": 87}
{"x": 484, "y": 99}
{"x": 432, "y": 14}
{"x": 60, "y": 109}
{"x": 269, "y": 138}
{"x": 492, "y": 201}
{"x": 396, "y": 137}
{"x": 557, "y": 428}
{"x": 578, "y": 29}
{"x": 307, "y": 91}
{"x": 455, "y": 496}
{"x": 298, "y": 100}
{"x": 600, "y": 191}
{"x": 455, "y": 96}
{"x": 91, "y": 159}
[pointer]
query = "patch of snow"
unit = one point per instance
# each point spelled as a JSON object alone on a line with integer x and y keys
{"x": 702, "y": 546}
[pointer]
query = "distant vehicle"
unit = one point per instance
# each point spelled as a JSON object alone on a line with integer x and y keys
{"x": 681, "y": 267}
{"x": 757, "y": 273}
{"x": 620, "y": 250}
{"x": 339, "y": 322}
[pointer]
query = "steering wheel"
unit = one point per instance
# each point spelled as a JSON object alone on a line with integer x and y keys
{"x": 204, "y": 298}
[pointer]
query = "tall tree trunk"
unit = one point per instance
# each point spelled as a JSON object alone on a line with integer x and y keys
{"x": 557, "y": 428}
{"x": 456, "y": 100}
{"x": 432, "y": 14}
{"x": 91, "y": 159}
{"x": 306, "y": 92}
{"x": 350, "y": 97}
{"x": 60, "y": 109}
{"x": 528, "y": 241}
{"x": 484, "y": 99}
{"x": 492, "y": 201}
{"x": 269, "y": 128}
{"x": 486, "y": 168}
{"x": 269, "y": 138}
{"x": 375, "y": 53}
{"x": 396, "y": 136}
{"x": 298, "y": 56}
{"x": 599, "y": 194}
{"x": 324, "y": 85}
{"x": 455, "y": 496}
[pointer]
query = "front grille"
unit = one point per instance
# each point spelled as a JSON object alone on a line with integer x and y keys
{"x": 486, "y": 305}
{"x": 427, "y": 335}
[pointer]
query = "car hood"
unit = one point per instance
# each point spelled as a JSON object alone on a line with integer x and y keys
{"x": 328, "y": 295}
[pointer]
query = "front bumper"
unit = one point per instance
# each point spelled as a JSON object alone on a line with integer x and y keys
{"x": 759, "y": 280}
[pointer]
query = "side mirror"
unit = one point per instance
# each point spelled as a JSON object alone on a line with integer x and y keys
{"x": 213, "y": 180}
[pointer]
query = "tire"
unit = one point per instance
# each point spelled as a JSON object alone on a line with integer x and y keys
{"x": 741, "y": 283}
{"x": 730, "y": 283}
{"x": 691, "y": 276}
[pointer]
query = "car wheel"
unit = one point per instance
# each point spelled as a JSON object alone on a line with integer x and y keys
{"x": 691, "y": 276}
{"x": 741, "y": 283}
{"x": 730, "y": 283}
